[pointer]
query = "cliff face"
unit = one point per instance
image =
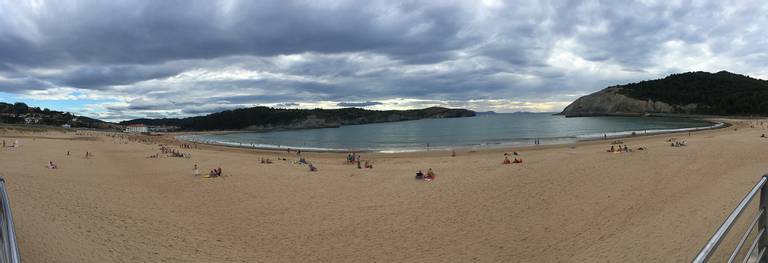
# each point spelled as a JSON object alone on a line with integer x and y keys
{"x": 699, "y": 93}
{"x": 611, "y": 102}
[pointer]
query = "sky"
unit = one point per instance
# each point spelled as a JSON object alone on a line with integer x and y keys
{"x": 125, "y": 59}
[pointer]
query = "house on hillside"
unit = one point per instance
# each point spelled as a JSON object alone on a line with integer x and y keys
{"x": 136, "y": 128}
{"x": 32, "y": 120}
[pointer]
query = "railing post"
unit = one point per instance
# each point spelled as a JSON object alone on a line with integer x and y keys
{"x": 763, "y": 221}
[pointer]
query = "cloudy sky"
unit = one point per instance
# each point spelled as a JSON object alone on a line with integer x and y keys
{"x": 119, "y": 59}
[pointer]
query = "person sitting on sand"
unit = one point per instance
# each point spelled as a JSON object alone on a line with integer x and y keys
{"x": 302, "y": 160}
{"x": 419, "y": 175}
{"x": 52, "y": 165}
{"x": 517, "y": 160}
{"x": 611, "y": 150}
{"x": 625, "y": 148}
{"x": 368, "y": 165}
{"x": 506, "y": 160}
{"x": 430, "y": 175}
{"x": 312, "y": 168}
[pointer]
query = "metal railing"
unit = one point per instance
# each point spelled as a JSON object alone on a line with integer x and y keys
{"x": 9, "y": 251}
{"x": 760, "y": 240}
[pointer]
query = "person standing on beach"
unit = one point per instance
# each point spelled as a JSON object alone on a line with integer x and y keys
{"x": 195, "y": 172}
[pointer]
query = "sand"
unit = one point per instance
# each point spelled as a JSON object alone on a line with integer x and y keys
{"x": 567, "y": 203}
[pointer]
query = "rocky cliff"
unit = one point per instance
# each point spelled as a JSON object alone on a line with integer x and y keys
{"x": 611, "y": 102}
{"x": 699, "y": 93}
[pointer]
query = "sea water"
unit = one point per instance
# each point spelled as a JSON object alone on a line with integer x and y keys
{"x": 483, "y": 131}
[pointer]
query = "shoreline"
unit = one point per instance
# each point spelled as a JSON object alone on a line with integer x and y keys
{"x": 557, "y": 141}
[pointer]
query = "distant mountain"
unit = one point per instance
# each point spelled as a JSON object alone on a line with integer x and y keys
{"x": 485, "y": 112}
{"x": 265, "y": 118}
{"x": 721, "y": 93}
{"x": 21, "y": 113}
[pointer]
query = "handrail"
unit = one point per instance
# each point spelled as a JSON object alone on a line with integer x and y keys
{"x": 714, "y": 242}
{"x": 745, "y": 236}
{"x": 9, "y": 253}
{"x": 760, "y": 242}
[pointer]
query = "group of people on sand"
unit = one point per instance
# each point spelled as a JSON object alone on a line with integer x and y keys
{"x": 213, "y": 173}
{"x": 312, "y": 167}
{"x": 618, "y": 149}
{"x": 187, "y": 146}
{"x": 266, "y": 160}
{"x": 14, "y": 145}
{"x": 508, "y": 161}
{"x": 516, "y": 159}
{"x": 171, "y": 152}
{"x": 677, "y": 143}
{"x": 52, "y": 165}
{"x": 353, "y": 158}
{"x": 428, "y": 177}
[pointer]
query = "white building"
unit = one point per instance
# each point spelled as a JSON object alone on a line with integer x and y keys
{"x": 136, "y": 128}
{"x": 32, "y": 120}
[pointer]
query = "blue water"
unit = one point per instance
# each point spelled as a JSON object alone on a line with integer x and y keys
{"x": 498, "y": 130}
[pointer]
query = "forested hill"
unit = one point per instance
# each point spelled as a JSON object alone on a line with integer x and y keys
{"x": 721, "y": 93}
{"x": 265, "y": 118}
{"x": 21, "y": 113}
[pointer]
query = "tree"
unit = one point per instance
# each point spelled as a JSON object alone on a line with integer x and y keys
{"x": 20, "y": 108}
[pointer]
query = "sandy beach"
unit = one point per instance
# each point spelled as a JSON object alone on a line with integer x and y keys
{"x": 565, "y": 203}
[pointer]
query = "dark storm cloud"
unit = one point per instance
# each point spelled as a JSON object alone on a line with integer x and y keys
{"x": 23, "y": 84}
{"x": 193, "y": 57}
{"x": 99, "y": 77}
{"x": 159, "y": 31}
